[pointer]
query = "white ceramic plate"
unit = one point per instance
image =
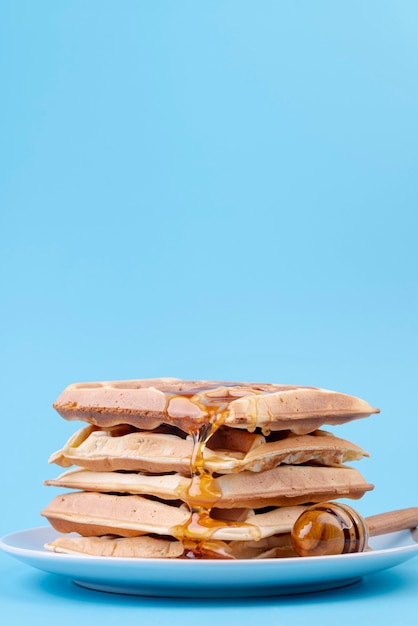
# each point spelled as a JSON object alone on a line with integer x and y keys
{"x": 216, "y": 579}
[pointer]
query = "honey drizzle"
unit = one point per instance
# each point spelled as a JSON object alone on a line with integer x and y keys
{"x": 201, "y": 495}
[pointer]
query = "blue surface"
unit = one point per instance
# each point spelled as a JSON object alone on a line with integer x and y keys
{"x": 208, "y": 190}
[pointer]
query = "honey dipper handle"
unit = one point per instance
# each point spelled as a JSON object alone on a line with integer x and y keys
{"x": 392, "y": 521}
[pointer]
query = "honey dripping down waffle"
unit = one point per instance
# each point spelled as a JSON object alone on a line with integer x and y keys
{"x": 203, "y": 469}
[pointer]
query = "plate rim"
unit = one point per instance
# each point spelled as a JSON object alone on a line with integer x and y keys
{"x": 205, "y": 578}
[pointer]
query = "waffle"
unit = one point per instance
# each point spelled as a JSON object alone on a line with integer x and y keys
{"x": 280, "y": 486}
{"x": 148, "y": 403}
{"x": 124, "y": 448}
{"x": 167, "y": 468}
{"x": 278, "y": 546}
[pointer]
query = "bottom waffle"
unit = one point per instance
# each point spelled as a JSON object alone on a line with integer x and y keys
{"x": 278, "y": 546}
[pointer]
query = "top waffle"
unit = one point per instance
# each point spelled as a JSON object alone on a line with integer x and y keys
{"x": 148, "y": 403}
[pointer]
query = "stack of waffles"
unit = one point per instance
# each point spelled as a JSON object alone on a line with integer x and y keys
{"x": 198, "y": 469}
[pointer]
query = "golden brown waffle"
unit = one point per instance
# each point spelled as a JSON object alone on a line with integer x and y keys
{"x": 147, "y": 403}
{"x": 278, "y": 546}
{"x": 150, "y": 451}
{"x": 281, "y": 486}
{"x": 95, "y": 514}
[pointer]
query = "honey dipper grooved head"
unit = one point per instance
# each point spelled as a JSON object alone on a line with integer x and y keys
{"x": 329, "y": 528}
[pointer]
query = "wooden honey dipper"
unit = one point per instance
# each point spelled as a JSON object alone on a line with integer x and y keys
{"x": 335, "y": 528}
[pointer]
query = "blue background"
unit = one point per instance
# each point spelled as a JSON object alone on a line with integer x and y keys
{"x": 225, "y": 190}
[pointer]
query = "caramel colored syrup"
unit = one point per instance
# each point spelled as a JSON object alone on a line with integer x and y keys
{"x": 202, "y": 495}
